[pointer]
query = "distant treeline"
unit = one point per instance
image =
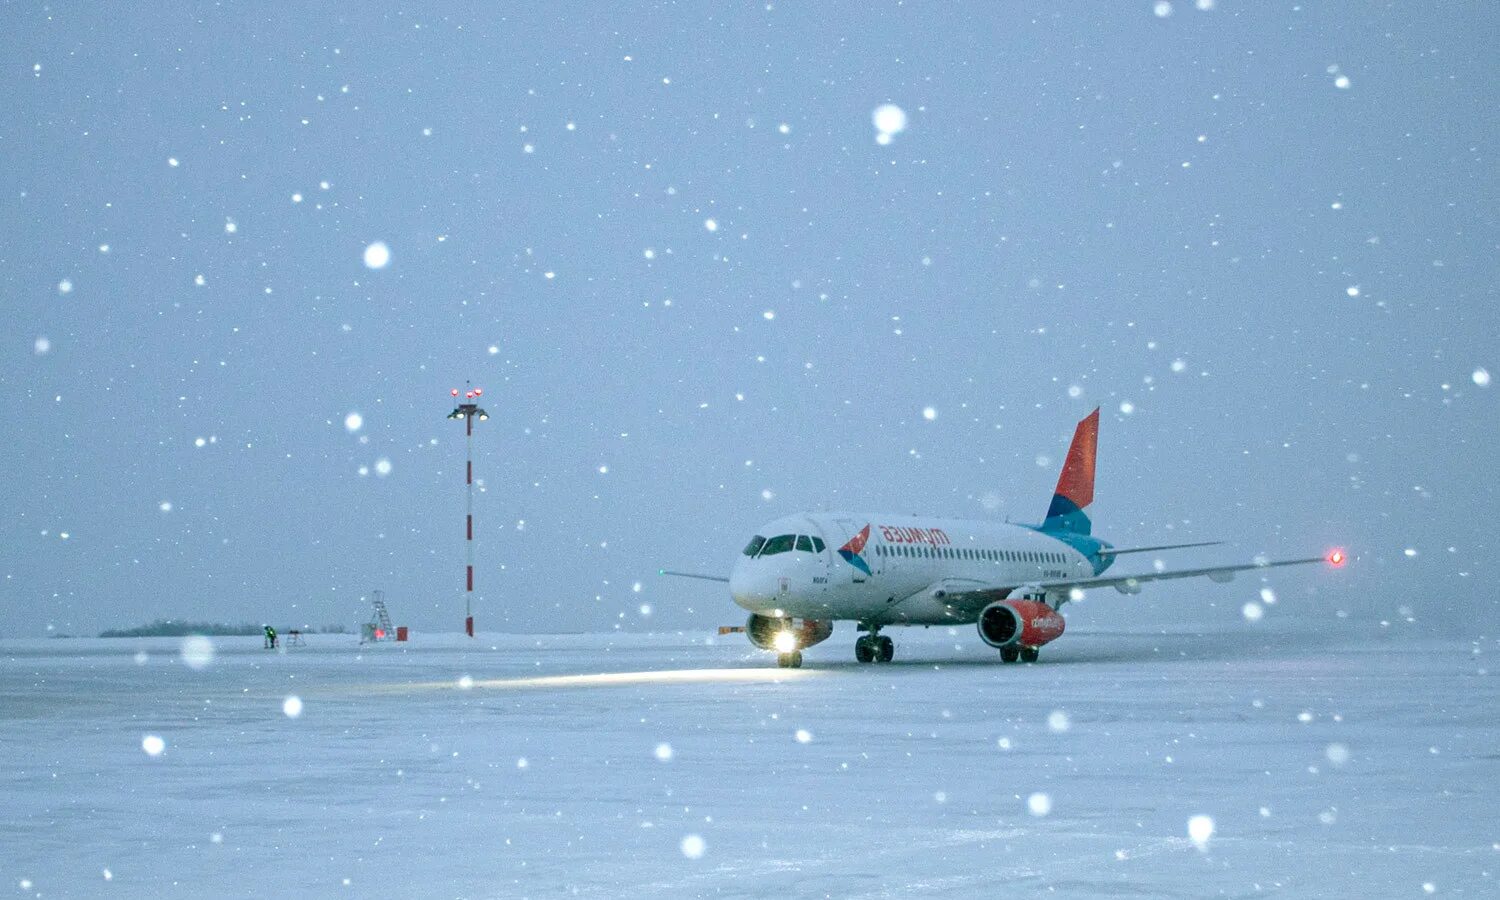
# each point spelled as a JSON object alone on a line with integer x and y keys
{"x": 173, "y": 628}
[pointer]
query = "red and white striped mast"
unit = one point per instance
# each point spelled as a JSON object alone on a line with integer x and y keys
{"x": 469, "y": 411}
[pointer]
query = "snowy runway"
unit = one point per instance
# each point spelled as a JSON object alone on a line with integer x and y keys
{"x": 629, "y": 765}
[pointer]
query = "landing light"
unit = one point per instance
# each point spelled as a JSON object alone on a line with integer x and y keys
{"x": 784, "y": 642}
{"x": 1337, "y": 558}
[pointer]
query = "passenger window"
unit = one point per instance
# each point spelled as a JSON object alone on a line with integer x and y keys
{"x": 781, "y": 543}
{"x": 754, "y": 546}
{"x": 804, "y": 543}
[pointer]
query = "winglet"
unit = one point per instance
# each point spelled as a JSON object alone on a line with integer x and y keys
{"x": 1075, "y": 486}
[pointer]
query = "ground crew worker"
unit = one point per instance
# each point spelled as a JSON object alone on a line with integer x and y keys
{"x": 270, "y": 638}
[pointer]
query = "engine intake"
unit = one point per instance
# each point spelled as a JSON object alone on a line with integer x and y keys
{"x": 763, "y": 632}
{"x": 1019, "y": 623}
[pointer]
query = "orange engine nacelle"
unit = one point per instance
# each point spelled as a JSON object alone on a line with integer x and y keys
{"x": 762, "y": 631}
{"x": 1019, "y": 623}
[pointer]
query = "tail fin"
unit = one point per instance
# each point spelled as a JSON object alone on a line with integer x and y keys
{"x": 1075, "y": 486}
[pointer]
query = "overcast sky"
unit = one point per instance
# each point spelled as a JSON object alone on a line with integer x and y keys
{"x": 700, "y": 294}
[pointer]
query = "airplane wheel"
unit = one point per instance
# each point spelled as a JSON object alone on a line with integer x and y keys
{"x": 886, "y": 649}
{"x": 1029, "y": 654}
{"x": 1010, "y": 654}
{"x": 864, "y": 649}
{"x": 791, "y": 660}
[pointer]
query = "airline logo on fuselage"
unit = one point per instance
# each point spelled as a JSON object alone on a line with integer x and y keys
{"x": 853, "y": 551}
{"x": 893, "y": 534}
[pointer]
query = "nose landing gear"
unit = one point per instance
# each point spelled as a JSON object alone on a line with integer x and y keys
{"x": 1020, "y": 654}
{"x": 792, "y": 660}
{"x": 874, "y": 647}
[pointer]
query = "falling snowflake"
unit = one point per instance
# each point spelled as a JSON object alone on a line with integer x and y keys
{"x": 197, "y": 651}
{"x": 1200, "y": 828}
{"x": 377, "y": 255}
{"x": 890, "y": 120}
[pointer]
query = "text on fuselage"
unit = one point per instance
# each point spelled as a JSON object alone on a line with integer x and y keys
{"x": 902, "y": 535}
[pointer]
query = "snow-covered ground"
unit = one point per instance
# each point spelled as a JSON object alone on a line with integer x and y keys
{"x": 1349, "y": 765}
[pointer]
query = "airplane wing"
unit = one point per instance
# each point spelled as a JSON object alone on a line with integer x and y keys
{"x": 973, "y": 599}
{"x": 694, "y": 575}
{"x": 1121, "y": 551}
{"x": 1128, "y": 584}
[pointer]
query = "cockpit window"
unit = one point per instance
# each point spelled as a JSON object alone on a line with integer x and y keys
{"x": 818, "y": 545}
{"x": 804, "y": 543}
{"x": 781, "y": 543}
{"x": 754, "y": 546}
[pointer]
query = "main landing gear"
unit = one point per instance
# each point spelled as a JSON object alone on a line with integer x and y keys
{"x": 1021, "y": 654}
{"x": 874, "y": 647}
{"x": 791, "y": 660}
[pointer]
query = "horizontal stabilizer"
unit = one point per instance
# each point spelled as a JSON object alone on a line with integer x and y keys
{"x": 1121, "y": 551}
{"x": 694, "y": 575}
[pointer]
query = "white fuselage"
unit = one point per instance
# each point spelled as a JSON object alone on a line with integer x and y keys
{"x": 909, "y": 564}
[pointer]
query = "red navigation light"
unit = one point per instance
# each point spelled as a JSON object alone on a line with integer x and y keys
{"x": 454, "y": 392}
{"x": 380, "y": 634}
{"x": 1337, "y": 558}
{"x": 469, "y": 395}
{"x": 479, "y": 392}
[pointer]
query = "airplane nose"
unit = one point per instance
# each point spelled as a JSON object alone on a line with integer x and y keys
{"x": 752, "y": 585}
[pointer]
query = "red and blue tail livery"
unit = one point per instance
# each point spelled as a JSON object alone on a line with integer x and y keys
{"x": 853, "y": 552}
{"x": 1075, "y": 486}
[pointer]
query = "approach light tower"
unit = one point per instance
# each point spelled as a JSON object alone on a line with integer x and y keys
{"x": 469, "y": 411}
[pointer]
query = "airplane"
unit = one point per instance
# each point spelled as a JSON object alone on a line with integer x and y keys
{"x": 801, "y": 573}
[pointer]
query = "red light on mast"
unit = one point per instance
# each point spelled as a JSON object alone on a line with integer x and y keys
{"x": 454, "y": 392}
{"x": 479, "y": 392}
{"x": 1337, "y": 557}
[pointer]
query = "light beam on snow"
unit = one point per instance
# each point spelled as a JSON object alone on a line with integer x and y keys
{"x": 613, "y": 679}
